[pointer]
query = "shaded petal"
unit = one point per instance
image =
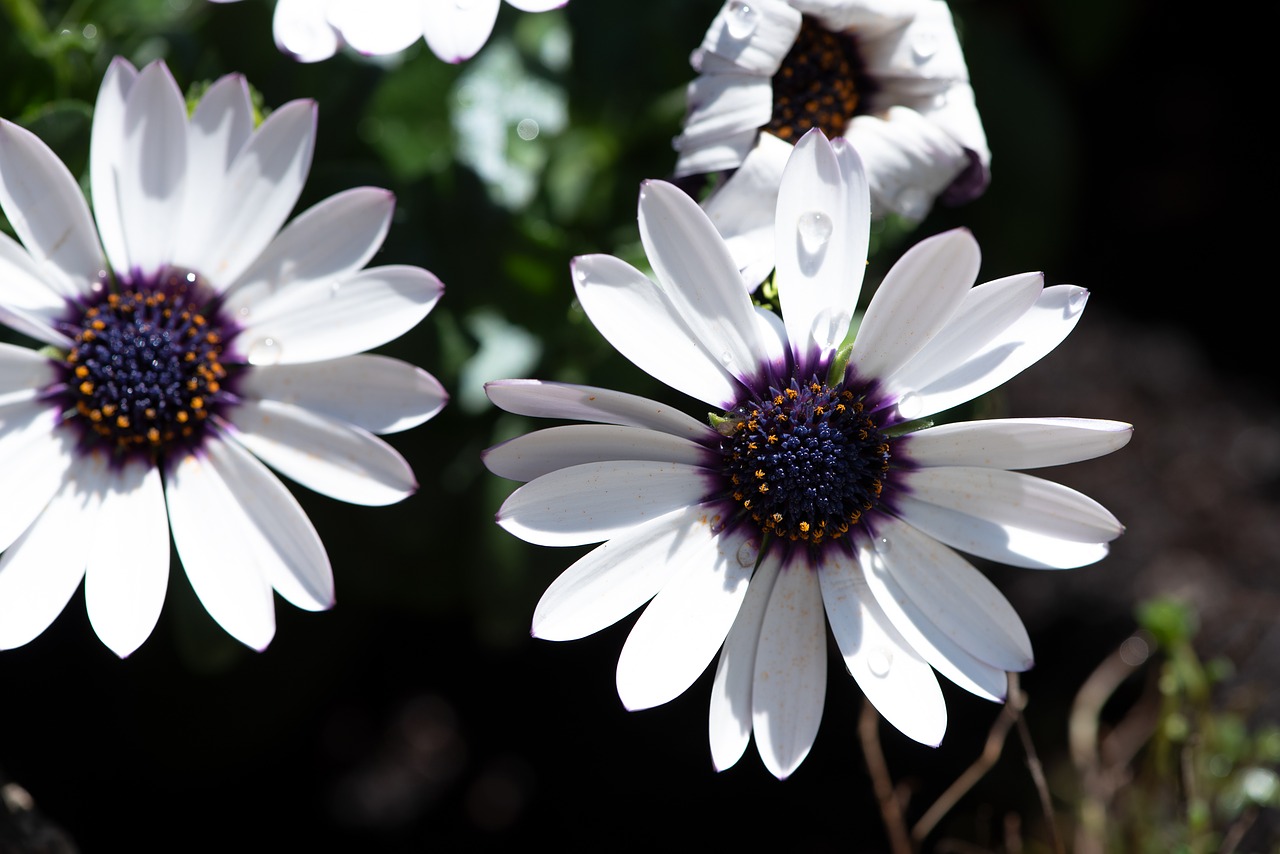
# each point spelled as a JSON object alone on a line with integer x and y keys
{"x": 680, "y": 631}
{"x": 729, "y": 722}
{"x": 1014, "y": 499}
{"x": 325, "y": 322}
{"x": 614, "y": 579}
{"x": 150, "y": 170}
{"x": 950, "y": 595}
{"x": 321, "y": 453}
{"x": 593, "y": 502}
{"x": 47, "y": 212}
{"x": 897, "y": 681}
{"x": 314, "y": 253}
{"x": 642, "y": 323}
{"x": 918, "y": 296}
{"x": 725, "y": 112}
{"x": 541, "y": 399}
{"x": 1021, "y": 345}
{"x": 222, "y": 549}
{"x": 125, "y": 583}
{"x": 701, "y": 278}
{"x": 1015, "y": 443}
{"x": 454, "y": 31}
{"x": 910, "y": 160}
{"x": 985, "y": 312}
{"x": 105, "y": 141}
{"x": 376, "y": 393}
{"x": 302, "y": 30}
{"x": 543, "y": 451}
{"x": 40, "y": 572}
{"x": 33, "y": 456}
{"x": 790, "y": 683}
{"x": 929, "y": 641}
{"x": 24, "y": 374}
{"x": 254, "y": 198}
{"x": 743, "y": 208}
{"x": 1003, "y": 543}
{"x": 822, "y": 233}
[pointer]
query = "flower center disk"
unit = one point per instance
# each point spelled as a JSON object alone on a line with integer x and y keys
{"x": 805, "y": 464}
{"x": 819, "y": 84}
{"x": 145, "y": 368}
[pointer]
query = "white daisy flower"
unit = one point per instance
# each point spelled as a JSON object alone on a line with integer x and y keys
{"x": 809, "y": 494}
{"x": 188, "y": 343}
{"x": 312, "y": 30}
{"x": 888, "y": 75}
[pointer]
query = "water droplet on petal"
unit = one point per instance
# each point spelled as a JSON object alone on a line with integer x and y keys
{"x": 910, "y": 405}
{"x": 747, "y": 553}
{"x": 814, "y": 228}
{"x": 924, "y": 47}
{"x": 741, "y": 20}
{"x": 879, "y": 660}
{"x": 829, "y": 327}
{"x": 726, "y": 357}
{"x": 912, "y": 202}
{"x": 334, "y": 287}
{"x": 884, "y": 545}
{"x": 463, "y": 4}
{"x": 1076, "y": 300}
{"x": 265, "y": 351}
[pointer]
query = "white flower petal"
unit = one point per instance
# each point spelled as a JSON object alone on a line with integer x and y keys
{"x": 302, "y": 30}
{"x": 40, "y": 572}
{"x": 24, "y": 373}
{"x": 321, "y": 453}
{"x": 389, "y": 27}
{"x": 222, "y": 549}
{"x": 743, "y": 208}
{"x": 254, "y": 198}
{"x": 790, "y": 683}
{"x": 680, "y": 631}
{"x": 755, "y": 39}
{"x": 1021, "y": 345}
{"x": 950, "y": 594}
{"x": 47, "y": 211}
{"x": 126, "y": 578}
{"x": 641, "y": 323}
{"x": 614, "y": 579}
{"x": 33, "y": 456}
{"x": 822, "y": 233}
{"x": 593, "y": 502}
{"x": 26, "y": 291}
{"x": 105, "y": 139}
{"x": 897, "y": 681}
{"x": 910, "y": 160}
{"x": 587, "y": 403}
{"x": 1015, "y": 443}
{"x": 918, "y": 296}
{"x": 729, "y": 721}
{"x": 543, "y": 451}
{"x": 377, "y": 393}
{"x": 985, "y": 312}
{"x": 1003, "y": 543}
{"x": 456, "y": 31}
{"x": 290, "y": 554}
{"x": 328, "y": 321}
{"x": 724, "y": 109}
{"x": 150, "y": 171}
{"x": 701, "y": 278}
{"x": 1015, "y": 500}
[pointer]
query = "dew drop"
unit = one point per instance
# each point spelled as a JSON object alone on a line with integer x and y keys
{"x": 910, "y": 405}
{"x": 924, "y": 47}
{"x": 741, "y": 20}
{"x": 814, "y": 228}
{"x": 884, "y": 545}
{"x": 726, "y": 358}
{"x": 334, "y": 287}
{"x": 829, "y": 327}
{"x": 463, "y": 4}
{"x": 747, "y": 553}
{"x": 912, "y": 202}
{"x": 265, "y": 351}
{"x": 879, "y": 660}
{"x": 1076, "y": 300}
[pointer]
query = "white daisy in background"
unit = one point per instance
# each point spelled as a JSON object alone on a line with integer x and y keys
{"x": 809, "y": 494}
{"x": 185, "y": 348}
{"x": 313, "y": 30}
{"x": 888, "y": 75}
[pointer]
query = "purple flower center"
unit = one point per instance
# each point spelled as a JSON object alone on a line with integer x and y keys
{"x": 145, "y": 370}
{"x": 805, "y": 463}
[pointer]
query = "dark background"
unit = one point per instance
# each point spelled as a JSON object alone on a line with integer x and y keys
{"x": 418, "y": 714}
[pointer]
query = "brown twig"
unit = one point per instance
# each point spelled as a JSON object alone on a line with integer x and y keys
{"x": 890, "y": 808}
{"x": 1042, "y": 787}
{"x": 991, "y": 751}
